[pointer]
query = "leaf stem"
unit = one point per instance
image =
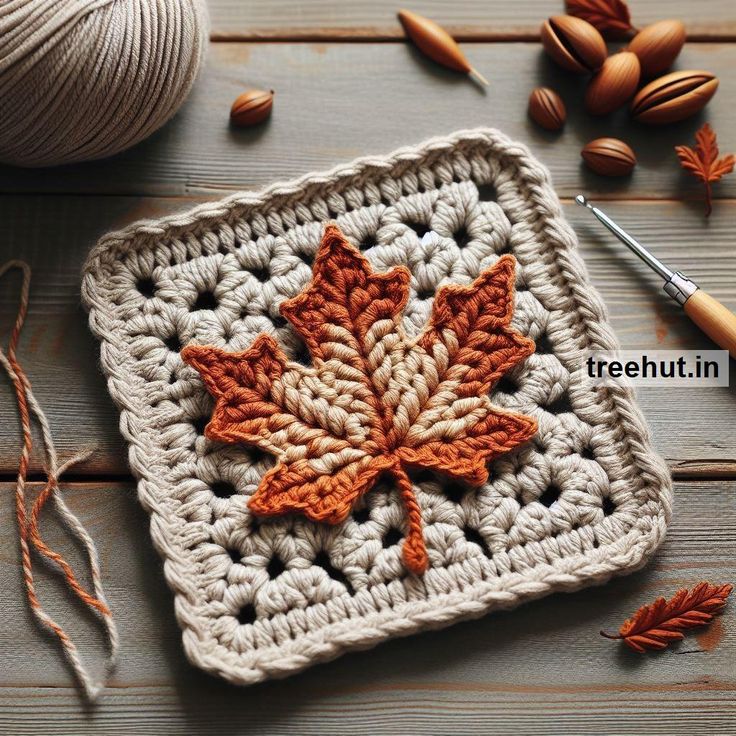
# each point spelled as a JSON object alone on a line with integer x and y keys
{"x": 415, "y": 550}
{"x": 610, "y": 636}
{"x": 708, "y": 199}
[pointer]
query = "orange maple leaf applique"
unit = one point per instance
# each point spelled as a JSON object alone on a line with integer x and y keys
{"x": 375, "y": 401}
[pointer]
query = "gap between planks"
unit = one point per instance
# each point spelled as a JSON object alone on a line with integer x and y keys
{"x": 690, "y": 687}
{"x": 223, "y": 192}
{"x": 462, "y": 34}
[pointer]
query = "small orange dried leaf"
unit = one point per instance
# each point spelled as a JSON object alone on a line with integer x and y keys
{"x": 703, "y": 162}
{"x": 655, "y": 625}
{"x": 611, "y": 17}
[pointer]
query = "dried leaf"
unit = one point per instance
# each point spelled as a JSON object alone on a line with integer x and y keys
{"x": 376, "y": 402}
{"x": 610, "y": 17}
{"x": 703, "y": 162}
{"x": 656, "y": 625}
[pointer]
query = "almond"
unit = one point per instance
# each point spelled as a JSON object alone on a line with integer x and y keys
{"x": 547, "y": 109}
{"x": 573, "y": 43}
{"x": 658, "y": 45}
{"x": 616, "y": 81}
{"x": 609, "y": 157}
{"x": 673, "y": 97}
{"x": 251, "y": 108}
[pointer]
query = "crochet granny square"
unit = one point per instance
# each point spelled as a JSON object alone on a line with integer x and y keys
{"x": 573, "y": 493}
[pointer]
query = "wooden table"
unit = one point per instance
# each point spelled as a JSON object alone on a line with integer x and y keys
{"x": 346, "y": 84}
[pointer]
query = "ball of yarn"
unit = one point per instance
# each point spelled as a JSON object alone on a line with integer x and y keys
{"x": 85, "y": 79}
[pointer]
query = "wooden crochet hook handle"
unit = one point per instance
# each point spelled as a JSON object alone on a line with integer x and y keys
{"x": 716, "y": 320}
{"x": 713, "y": 318}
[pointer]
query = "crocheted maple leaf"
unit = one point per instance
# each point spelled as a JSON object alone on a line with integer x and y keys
{"x": 375, "y": 401}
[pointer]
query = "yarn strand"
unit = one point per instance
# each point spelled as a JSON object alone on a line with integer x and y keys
{"x": 28, "y": 528}
{"x": 415, "y": 549}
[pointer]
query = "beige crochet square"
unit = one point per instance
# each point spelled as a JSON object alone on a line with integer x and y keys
{"x": 585, "y": 499}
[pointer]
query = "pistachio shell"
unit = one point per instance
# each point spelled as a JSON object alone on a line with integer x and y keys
{"x": 573, "y": 43}
{"x": 252, "y": 107}
{"x": 609, "y": 157}
{"x": 546, "y": 108}
{"x": 673, "y": 97}
{"x": 616, "y": 81}
{"x": 658, "y": 45}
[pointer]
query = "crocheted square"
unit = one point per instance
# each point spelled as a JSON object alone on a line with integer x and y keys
{"x": 263, "y": 596}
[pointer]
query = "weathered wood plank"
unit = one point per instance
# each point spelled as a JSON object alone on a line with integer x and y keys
{"x": 151, "y": 711}
{"x": 54, "y": 234}
{"x": 338, "y": 101}
{"x": 468, "y": 19}
{"x": 540, "y": 669}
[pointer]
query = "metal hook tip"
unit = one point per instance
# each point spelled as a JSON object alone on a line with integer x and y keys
{"x": 582, "y": 201}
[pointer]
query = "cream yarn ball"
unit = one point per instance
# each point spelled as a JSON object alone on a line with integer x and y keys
{"x": 85, "y": 79}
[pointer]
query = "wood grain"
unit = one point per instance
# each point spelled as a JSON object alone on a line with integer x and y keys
{"x": 198, "y": 711}
{"x": 335, "y": 102}
{"x": 353, "y": 87}
{"x": 151, "y": 711}
{"x": 466, "y": 19}
{"x": 55, "y": 233}
{"x": 540, "y": 669}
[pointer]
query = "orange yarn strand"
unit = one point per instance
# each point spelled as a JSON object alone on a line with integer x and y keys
{"x": 415, "y": 549}
{"x": 50, "y": 554}
{"x": 29, "y": 533}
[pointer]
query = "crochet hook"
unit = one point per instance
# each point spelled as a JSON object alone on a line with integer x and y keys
{"x": 713, "y": 318}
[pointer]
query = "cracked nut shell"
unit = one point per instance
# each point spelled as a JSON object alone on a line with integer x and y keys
{"x": 673, "y": 97}
{"x": 609, "y": 157}
{"x": 251, "y": 108}
{"x": 614, "y": 84}
{"x": 573, "y": 43}
{"x": 547, "y": 109}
